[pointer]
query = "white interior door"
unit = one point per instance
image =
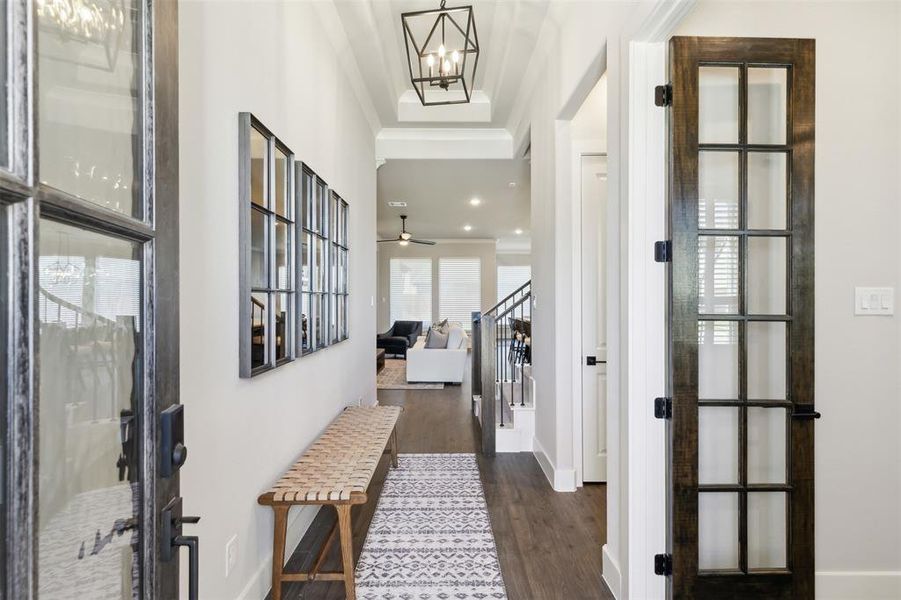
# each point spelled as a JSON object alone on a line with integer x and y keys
{"x": 594, "y": 318}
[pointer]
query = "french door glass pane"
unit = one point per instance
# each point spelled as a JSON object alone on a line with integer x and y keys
{"x": 89, "y": 306}
{"x": 718, "y": 190}
{"x": 718, "y": 105}
{"x": 767, "y": 100}
{"x": 717, "y": 444}
{"x": 718, "y": 360}
{"x": 259, "y": 168}
{"x": 766, "y": 360}
{"x": 90, "y": 96}
{"x": 767, "y": 190}
{"x": 717, "y": 530}
{"x": 259, "y": 323}
{"x": 767, "y": 277}
{"x": 766, "y": 445}
{"x": 718, "y": 274}
{"x": 767, "y": 530}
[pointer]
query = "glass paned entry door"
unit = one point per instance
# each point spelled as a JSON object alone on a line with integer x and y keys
{"x": 741, "y": 293}
{"x": 88, "y": 297}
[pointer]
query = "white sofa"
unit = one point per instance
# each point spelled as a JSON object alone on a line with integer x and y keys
{"x": 438, "y": 365}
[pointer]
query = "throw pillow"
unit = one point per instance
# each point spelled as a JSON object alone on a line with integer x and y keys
{"x": 436, "y": 340}
{"x": 440, "y": 326}
{"x": 455, "y": 337}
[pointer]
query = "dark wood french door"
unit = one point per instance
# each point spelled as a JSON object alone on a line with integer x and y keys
{"x": 89, "y": 305}
{"x": 741, "y": 516}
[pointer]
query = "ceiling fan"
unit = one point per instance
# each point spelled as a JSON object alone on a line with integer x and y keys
{"x": 405, "y": 236}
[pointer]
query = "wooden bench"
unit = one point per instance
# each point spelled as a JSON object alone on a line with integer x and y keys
{"x": 336, "y": 471}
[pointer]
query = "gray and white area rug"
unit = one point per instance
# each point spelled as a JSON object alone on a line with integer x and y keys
{"x": 430, "y": 537}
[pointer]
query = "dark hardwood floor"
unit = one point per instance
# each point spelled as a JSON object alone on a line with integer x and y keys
{"x": 549, "y": 543}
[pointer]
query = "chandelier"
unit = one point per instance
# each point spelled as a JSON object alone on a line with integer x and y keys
{"x": 442, "y": 53}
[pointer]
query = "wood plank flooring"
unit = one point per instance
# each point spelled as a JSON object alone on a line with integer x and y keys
{"x": 549, "y": 543}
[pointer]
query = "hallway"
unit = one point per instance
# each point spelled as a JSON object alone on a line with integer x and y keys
{"x": 548, "y": 543}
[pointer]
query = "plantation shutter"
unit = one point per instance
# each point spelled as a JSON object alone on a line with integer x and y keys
{"x": 460, "y": 289}
{"x": 411, "y": 290}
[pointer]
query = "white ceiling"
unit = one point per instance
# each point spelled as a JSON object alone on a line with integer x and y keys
{"x": 507, "y": 31}
{"x": 438, "y": 194}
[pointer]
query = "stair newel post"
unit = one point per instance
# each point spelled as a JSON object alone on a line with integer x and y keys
{"x": 476, "y": 378}
{"x": 488, "y": 343}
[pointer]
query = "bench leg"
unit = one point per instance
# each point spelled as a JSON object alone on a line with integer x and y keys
{"x": 278, "y": 549}
{"x": 345, "y": 532}
{"x": 394, "y": 447}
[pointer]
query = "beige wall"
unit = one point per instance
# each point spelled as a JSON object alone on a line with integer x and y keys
{"x": 484, "y": 250}
{"x": 275, "y": 60}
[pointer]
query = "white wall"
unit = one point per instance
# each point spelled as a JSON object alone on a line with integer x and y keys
{"x": 858, "y": 242}
{"x": 484, "y": 250}
{"x": 273, "y": 59}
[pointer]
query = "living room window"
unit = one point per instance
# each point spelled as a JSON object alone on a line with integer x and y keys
{"x": 411, "y": 290}
{"x": 267, "y": 246}
{"x": 459, "y": 289}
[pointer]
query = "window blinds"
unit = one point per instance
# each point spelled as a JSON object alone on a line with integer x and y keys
{"x": 460, "y": 289}
{"x": 411, "y": 290}
{"x": 509, "y": 279}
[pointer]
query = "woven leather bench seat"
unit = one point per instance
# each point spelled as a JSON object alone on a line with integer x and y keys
{"x": 340, "y": 464}
{"x": 335, "y": 470}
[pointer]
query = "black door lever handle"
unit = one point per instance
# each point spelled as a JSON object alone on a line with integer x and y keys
{"x": 805, "y": 411}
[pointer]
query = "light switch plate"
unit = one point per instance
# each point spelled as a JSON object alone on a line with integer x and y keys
{"x": 874, "y": 301}
{"x": 231, "y": 554}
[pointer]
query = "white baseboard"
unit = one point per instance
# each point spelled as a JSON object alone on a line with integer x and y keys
{"x": 858, "y": 585}
{"x": 611, "y": 574}
{"x": 562, "y": 480}
{"x": 299, "y": 521}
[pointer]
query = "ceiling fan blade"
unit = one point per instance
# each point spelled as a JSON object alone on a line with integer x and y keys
{"x": 391, "y": 240}
{"x": 426, "y": 242}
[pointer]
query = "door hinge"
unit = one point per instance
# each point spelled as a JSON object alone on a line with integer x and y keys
{"x": 663, "y": 564}
{"x": 663, "y": 408}
{"x": 663, "y": 251}
{"x": 663, "y": 95}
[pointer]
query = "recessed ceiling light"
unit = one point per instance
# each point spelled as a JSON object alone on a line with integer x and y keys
{"x": 512, "y": 184}
{"x": 475, "y": 201}
{"x": 397, "y": 204}
{"x": 467, "y": 228}
{"x": 518, "y": 232}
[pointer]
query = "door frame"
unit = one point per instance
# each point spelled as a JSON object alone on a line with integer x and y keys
{"x": 25, "y": 200}
{"x": 580, "y": 148}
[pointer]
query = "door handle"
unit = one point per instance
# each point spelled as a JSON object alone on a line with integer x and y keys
{"x": 192, "y": 542}
{"x": 805, "y": 411}
{"x": 593, "y": 360}
{"x": 171, "y": 539}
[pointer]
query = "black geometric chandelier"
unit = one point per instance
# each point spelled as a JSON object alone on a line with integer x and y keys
{"x": 442, "y": 53}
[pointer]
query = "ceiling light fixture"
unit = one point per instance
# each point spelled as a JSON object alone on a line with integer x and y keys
{"x": 518, "y": 232}
{"x": 475, "y": 201}
{"x": 444, "y": 56}
{"x": 467, "y": 228}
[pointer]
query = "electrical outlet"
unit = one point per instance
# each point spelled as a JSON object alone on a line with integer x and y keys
{"x": 231, "y": 554}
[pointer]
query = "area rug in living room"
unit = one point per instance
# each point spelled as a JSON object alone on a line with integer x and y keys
{"x": 393, "y": 376}
{"x": 430, "y": 537}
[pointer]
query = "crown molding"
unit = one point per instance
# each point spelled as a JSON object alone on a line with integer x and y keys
{"x": 451, "y": 143}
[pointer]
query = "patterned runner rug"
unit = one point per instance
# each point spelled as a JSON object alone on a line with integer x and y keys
{"x": 430, "y": 537}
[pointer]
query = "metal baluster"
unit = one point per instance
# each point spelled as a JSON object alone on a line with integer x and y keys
{"x": 522, "y": 359}
{"x": 498, "y": 340}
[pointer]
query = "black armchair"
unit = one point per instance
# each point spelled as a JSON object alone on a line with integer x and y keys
{"x": 401, "y": 336}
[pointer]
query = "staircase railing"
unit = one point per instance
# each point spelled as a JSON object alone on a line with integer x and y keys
{"x": 501, "y": 347}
